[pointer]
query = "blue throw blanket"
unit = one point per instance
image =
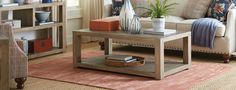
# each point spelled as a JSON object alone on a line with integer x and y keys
{"x": 203, "y": 32}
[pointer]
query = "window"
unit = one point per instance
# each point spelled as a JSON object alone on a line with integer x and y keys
{"x": 72, "y": 3}
{"x": 73, "y": 9}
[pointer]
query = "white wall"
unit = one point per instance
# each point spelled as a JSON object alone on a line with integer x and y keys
{"x": 107, "y": 8}
{"x": 73, "y": 24}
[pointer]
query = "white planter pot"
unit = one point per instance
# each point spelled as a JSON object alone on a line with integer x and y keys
{"x": 158, "y": 24}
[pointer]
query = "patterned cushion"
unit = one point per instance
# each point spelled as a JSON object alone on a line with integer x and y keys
{"x": 116, "y": 7}
{"x": 219, "y": 9}
{"x": 234, "y": 1}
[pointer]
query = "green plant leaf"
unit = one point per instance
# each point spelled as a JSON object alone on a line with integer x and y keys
{"x": 159, "y": 9}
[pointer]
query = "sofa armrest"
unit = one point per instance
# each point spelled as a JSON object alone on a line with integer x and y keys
{"x": 230, "y": 33}
{"x": 231, "y": 21}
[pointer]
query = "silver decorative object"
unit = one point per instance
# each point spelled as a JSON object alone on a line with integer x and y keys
{"x": 135, "y": 25}
{"x": 126, "y": 15}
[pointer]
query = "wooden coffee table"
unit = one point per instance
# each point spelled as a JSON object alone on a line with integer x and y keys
{"x": 158, "y": 69}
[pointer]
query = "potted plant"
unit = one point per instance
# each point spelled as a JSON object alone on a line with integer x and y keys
{"x": 157, "y": 11}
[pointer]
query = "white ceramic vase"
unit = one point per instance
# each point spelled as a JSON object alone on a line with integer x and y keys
{"x": 135, "y": 25}
{"x": 158, "y": 24}
{"x": 126, "y": 15}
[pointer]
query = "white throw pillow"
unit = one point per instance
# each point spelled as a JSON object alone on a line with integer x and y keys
{"x": 196, "y": 9}
{"x": 141, "y": 3}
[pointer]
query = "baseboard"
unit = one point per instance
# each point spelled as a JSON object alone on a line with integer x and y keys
{"x": 69, "y": 40}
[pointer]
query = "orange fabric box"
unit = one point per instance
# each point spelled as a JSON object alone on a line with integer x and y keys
{"x": 105, "y": 24}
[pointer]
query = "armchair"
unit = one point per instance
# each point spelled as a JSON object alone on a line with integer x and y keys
{"x": 13, "y": 61}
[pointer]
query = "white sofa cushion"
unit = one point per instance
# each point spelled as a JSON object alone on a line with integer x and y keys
{"x": 178, "y": 23}
{"x": 196, "y": 9}
{"x": 186, "y": 25}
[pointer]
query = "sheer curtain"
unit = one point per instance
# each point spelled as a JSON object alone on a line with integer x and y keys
{"x": 91, "y": 9}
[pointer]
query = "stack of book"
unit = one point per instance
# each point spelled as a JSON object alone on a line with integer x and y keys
{"x": 153, "y": 32}
{"x": 9, "y": 4}
{"x": 121, "y": 58}
{"x": 45, "y": 23}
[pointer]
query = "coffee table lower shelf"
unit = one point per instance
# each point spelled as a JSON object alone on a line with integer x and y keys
{"x": 147, "y": 70}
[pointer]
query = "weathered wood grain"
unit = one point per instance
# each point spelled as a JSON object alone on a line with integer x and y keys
{"x": 4, "y": 64}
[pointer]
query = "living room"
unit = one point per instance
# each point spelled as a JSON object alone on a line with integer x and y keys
{"x": 117, "y": 45}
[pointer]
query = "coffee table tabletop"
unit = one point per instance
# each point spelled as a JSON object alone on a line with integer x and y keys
{"x": 158, "y": 69}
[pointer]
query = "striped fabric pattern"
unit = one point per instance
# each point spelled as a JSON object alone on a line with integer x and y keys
{"x": 135, "y": 25}
{"x": 18, "y": 60}
{"x": 126, "y": 15}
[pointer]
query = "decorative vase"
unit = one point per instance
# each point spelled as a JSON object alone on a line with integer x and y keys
{"x": 158, "y": 24}
{"x": 20, "y": 2}
{"x": 28, "y": 1}
{"x": 135, "y": 25}
{"x": 126, "y": 15}
{"x": 42, "y": 16}
{"x": 46, "y": 1}
{"x": 25, "y": 45}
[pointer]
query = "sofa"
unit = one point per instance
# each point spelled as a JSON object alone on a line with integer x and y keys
{"x": 224, "y": 43}
{"x": 13, "y": 61}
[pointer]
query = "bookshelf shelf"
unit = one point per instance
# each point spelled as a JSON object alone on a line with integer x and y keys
{"x": 55, "y": 30}
{"x": 35, "y": 28}
{"x": 51, "y": 52}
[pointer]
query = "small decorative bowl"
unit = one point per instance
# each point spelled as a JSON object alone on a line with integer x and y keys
{"x": 42, "y": 16}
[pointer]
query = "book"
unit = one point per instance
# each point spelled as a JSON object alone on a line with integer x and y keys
{"x": 9, "y": 4}
{"x": 119, "y": 57}
{"x": 124, "y": 61}
{"x": 45, "y": 23}
{"x": 166, "y": 32}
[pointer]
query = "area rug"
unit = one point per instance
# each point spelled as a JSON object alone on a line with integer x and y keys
{"x": 61, "y": 69}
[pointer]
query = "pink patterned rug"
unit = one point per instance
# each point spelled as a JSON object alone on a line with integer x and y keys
{"x": 61, "y": 69}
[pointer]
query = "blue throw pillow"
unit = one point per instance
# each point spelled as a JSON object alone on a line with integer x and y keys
{"x": 219, "y": 9}
{"x": 116, "y": 7}
{"x": 234, "y": 2}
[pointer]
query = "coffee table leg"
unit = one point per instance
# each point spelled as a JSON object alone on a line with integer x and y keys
{"x": 187, "y": 50}
{"x": 108, "y": 46}
{"x": 159, "y": 59}
{"x": 76, "y": 49}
